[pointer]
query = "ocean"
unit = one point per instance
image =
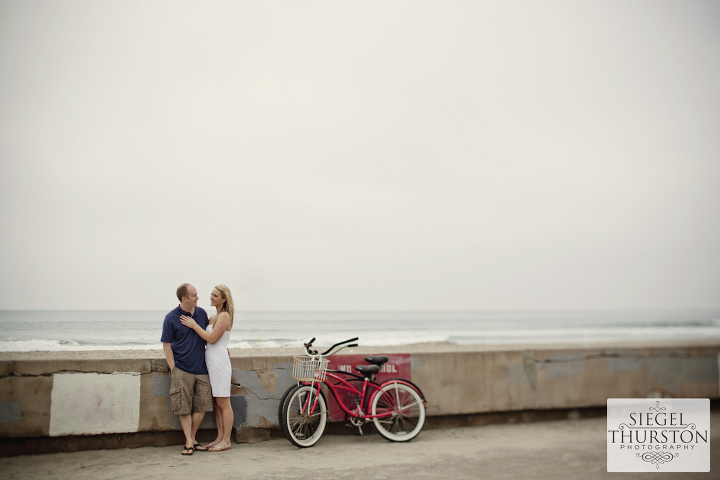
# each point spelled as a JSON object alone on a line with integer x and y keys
{"x": 53, "y": 330}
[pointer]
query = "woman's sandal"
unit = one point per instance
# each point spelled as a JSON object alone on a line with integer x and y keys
{"x": 188, "y": 451}
{"x": 215, "y": 448}
{"x": 200, "y": 448}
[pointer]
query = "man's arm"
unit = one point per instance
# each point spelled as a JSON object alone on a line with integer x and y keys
{"x": 169, "y": 357}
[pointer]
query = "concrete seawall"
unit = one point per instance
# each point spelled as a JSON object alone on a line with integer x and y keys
{"x": 100, "y": 399}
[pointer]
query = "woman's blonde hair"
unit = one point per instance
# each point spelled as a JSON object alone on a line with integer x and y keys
{"x": 228, "y": 305}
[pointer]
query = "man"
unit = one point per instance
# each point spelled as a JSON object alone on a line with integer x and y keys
{"x": 190, "y": 394}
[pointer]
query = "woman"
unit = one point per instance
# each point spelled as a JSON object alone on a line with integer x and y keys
{"x": 217, "y": 359}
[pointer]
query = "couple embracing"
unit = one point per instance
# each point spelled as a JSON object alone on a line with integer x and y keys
{"x": 196, "y": 351}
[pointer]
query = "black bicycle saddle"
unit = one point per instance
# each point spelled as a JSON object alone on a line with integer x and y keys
{"x": 368, "y": 370}
{"x": 378, "y": 360}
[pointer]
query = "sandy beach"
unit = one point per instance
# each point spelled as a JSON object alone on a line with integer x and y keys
{"x": 565, "y": 449}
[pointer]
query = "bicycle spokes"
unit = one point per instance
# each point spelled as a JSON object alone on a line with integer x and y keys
{"x": 400, "y": 412}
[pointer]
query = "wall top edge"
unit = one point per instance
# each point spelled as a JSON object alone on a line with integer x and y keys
{"x": 113, "y": 356}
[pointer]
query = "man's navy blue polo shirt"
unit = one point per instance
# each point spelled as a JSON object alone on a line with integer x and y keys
{"x": 187, "y": 346}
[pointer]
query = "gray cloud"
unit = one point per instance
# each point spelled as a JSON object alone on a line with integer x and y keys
{"x": 402, "y": 155}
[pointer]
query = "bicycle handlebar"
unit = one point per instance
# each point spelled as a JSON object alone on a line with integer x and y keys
{"x": 338, "y": 344}
{"x": 326, "y": 352}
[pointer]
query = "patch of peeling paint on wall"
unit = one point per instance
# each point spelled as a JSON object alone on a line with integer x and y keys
{"x": 94, "y": 403}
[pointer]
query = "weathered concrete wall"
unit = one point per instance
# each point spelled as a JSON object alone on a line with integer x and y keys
{"x": 548, "y": 379}
{"x": 53, "y": 398}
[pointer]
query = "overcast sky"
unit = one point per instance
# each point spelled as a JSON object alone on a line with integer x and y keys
{"x": 360, "y": 155}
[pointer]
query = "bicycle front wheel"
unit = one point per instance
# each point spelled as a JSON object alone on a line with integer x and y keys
{"x": 304, "y": 416}
{"x": 401, "y": 410}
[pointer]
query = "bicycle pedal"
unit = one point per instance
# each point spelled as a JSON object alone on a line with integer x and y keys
{"x": 360, "y": 430}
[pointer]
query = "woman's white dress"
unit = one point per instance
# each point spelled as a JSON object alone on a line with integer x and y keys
{"x": 218, "y": 364}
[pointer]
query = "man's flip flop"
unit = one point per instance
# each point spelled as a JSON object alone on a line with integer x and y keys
{"x": 200, "y": 448}
{"x": 188, "y": 451}
{"x": 215, "y": 448}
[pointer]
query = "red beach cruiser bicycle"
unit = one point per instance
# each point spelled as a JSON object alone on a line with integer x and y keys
{"x": 396, "y": 407}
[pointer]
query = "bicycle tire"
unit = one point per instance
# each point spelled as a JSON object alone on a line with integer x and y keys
{"x": 281, "y": 406}
{"x": 408, "y": 411}
{"x": 303, "y": 429}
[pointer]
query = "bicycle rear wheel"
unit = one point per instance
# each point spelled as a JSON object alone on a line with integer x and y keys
{"x": 402, "y": 412}
{"x": 304, "y": 416}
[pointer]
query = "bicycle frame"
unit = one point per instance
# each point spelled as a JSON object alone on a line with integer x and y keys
{"x": 342, "y": 385}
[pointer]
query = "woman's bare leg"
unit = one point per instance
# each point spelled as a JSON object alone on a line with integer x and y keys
{"x": 227, "y": 417}
{"x": 219, "y": 423}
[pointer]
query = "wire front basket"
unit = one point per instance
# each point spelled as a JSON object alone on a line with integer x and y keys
{"x": 310, "y": 369}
